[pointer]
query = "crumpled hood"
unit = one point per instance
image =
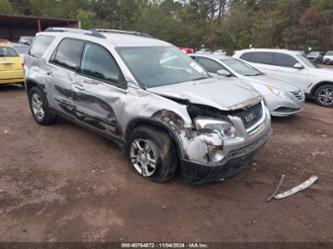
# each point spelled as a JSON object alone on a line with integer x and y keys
{"x": 228, "y": 94}
{"x": 268, "y": 80}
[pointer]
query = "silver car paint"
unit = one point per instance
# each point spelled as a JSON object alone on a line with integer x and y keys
{"x": 260, "y": 82}
{"x": 211, "y": 92}
{"x": 275, "y": 102}
{"x": 112, "y": 110}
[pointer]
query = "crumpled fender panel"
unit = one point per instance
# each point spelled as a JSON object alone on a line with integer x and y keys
{"x": 195, "y": 145}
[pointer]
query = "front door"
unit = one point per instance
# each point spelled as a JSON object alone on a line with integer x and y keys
{"x": 284, "y": 69}
{"x": 98, "y": 90}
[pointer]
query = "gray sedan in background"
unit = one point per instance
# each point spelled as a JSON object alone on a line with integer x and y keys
{"x": 282, "y": 98}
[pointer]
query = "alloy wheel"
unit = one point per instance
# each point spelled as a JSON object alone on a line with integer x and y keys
{"x": 37, "y": 106}
{"x": 143, "y": 156}
{"x": 325, "y": 96}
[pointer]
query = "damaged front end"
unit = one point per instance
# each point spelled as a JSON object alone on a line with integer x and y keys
{"x": 219, "y": 143}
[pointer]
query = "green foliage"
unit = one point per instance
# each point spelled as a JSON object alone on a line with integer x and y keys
{"x": 86, "y": 18}
{"x": 6, "y": 7}
{"x": 228, "y": 24}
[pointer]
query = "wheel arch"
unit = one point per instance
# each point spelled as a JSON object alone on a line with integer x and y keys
{"x": 29, "y": 83}
{"x": 156, "y": 124}
{"x": 319, "y": 84}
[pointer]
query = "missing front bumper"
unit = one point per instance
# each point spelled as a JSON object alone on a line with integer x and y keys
{"x": 195, "y": 173}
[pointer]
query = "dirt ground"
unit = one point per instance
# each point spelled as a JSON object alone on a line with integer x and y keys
{"x": 63, "y": 183}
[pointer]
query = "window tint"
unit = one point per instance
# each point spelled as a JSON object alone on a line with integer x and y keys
{"x": 97, "y": 62}
{"x": 247, "y": 57}
{"x": 210, "y": 65}
{"x": 68, "y": 53}
{"x": 264, "y": 58}
{"x": 284, "y": 60}
{"x": 40, "y": 44}
{"x": 276, "y": 59}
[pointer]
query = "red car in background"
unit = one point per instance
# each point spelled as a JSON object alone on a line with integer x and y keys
{"x": 187, "y": 50}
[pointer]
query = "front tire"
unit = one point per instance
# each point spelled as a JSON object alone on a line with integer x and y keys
{"x": 151, "y": 154}
{"x": 39, "y": 107}
{"x": 324, "y": 95}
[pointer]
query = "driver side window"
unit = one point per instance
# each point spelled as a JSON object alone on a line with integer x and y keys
{"x": 210, "y": 65}
{"x": 98, "y": 63}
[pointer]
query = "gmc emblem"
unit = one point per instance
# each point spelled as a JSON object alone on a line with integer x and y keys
{"x": 250, "y": 117}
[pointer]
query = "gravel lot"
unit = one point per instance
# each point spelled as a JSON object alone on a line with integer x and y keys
{"x": 63, "y": 183}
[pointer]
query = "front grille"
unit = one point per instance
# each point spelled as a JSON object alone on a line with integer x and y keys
{"x": 251, "y": 115}
{"x": 298, "y": 95}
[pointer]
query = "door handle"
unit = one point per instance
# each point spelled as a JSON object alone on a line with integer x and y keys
{"x": 79, "y": 87}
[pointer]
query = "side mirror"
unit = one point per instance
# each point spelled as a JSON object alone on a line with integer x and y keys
{"x": 298, "y": 66}
{"x": 223, "y": 72}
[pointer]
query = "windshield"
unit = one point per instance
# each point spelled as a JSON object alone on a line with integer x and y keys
{"x": 306, "y": 61}
{"x": 7, "y": 52}
{"x": 313, "y": 53}
{"x": 26, "y": 39}
{"x": 241, "y": 67}
{"x": 22, "y": 49}
{"x": 329, "y": 53}
{"x": 159, "y": 66}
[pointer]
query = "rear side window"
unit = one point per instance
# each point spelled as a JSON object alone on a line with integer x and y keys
{"x": 7, "y": 52}
{"x": 269, "y": 58}
{"x": 247, "y": 57}
{"x": 210, "y": 65}
{"x": 68, "y": 53}
{"x": 39, "y": 46}
{"x": 98, "y": 63}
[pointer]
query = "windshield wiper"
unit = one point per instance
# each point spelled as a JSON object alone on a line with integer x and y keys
{"x": 202, "y": 78}
{"x": 256, "y": 74}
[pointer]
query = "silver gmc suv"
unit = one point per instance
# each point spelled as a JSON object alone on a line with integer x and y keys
{"x": 159, "y": 105}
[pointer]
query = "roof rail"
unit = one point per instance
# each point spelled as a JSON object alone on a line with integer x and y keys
{"x": 116, "y": 31}
{"x": 74, "y": 30}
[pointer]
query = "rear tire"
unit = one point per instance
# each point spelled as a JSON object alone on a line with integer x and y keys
{"x": 151, "y": 154}
{"x": 39, "y": 107}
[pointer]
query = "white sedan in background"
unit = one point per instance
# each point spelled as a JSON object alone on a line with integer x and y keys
{"x": 282, "y": 99}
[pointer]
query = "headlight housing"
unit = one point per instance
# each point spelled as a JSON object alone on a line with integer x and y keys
{"x": 223, "y": 127}
{"x": 277, "y": 91}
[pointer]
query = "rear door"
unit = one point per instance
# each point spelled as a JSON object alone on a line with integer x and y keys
{"x": 33, "y": 60}
{"x": 61, "y": 72}
{"x": 98, "y": 90}
{"x": 263, "y": 60}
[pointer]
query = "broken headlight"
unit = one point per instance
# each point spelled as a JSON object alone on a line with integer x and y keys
{"x": 223, "y": 127}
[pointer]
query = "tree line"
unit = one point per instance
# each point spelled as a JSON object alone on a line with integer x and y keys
{"x": 216, "y": 24}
